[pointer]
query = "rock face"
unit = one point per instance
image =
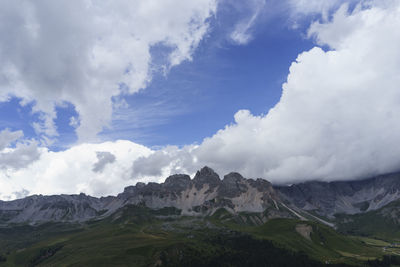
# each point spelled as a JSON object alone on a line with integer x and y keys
{"x": 206, "y": 176}
{"x": 202, "y": 195}
{"x": 50, "y": 208}
{"x": 348, "y": 197}
{"x": 206, "y": 193}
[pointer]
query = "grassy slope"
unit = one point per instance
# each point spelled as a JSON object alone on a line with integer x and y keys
{"x": 130, "y": 245}
{"x": 325, "y": 244}
{"x": 137, "y": 237}
{"x": 371, "y": 224}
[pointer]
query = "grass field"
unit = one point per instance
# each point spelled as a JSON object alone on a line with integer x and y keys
{"x": 137, "y": 237}
{"x": 379, "y": 224}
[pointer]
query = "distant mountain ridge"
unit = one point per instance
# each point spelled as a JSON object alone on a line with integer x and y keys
{"x": 202, "y": 195}
{"x": 348, "y": 197}
{"x": 206, "y": 193}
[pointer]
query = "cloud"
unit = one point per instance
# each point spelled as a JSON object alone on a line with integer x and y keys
{"x": 71, "y": 171}
{"x": 19, "y": 156}
{"x": 104, "y": 158}
{"x": 87, "y": 52}
{"x": 337, "y": 117}
{"x": 7, "y": 137}
{"x": 95, "y": 169}
{"x": 169, "y": 160}
{"x": 21, "y": 194}
{"x": 308, "y": 7}
{"x": 242, "y": 34}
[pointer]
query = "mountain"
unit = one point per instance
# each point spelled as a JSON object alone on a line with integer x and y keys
{"x": 348, "y": 197}
{"x": 200, "y": 196}
{"x": 383, "y": 223}
{"x": 208, "y": 221}
{"x": 206, "y": 193}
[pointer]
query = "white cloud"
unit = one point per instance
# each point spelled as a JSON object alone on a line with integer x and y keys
{"x": 338, "y": 117}
{"x": 323, "y": 7}
{"x": 104, "y": 158}
{"x": 82, "y": 51}
{"x": 16, "y": 153}
{"x": 242, "y": 33}
{"x": 19, "y": 157}
{"x": 7, "y": 137}
{"x": 169, "y": 160}
{"x": 71, "y": 171}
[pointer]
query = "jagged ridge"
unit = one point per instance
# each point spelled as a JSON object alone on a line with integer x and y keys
{"x": 349, "y": 197}
{"x": 206, "y": 193}
{"x": 202, "y": 195}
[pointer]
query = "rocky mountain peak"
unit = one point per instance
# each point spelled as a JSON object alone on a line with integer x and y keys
{"x": 177, "y": 182}
{"x": 130, "y": 189}
{"x": 233, "y": 185}
{"x": 350, "y": 197}
{"x": 140, "y": 185}
{"x": 206, "y": 193}
{"x": 206, "y": 171}
{"x": 261, "y": 184}
{"x": 177, "y": 179}
{"x": 233, "y": 177}
{"x": 206, "y": 176}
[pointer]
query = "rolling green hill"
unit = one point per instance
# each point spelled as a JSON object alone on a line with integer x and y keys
{"x": 382, "y": 223}
{"x": 139, "y": 236}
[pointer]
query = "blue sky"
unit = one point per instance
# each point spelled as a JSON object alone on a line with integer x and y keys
{"x": 222, "y": 78}
{"x": 195, "y": 99}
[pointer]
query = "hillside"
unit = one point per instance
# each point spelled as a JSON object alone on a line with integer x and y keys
{"x": 139, "y": 236}
{"x": 208, "y": 221}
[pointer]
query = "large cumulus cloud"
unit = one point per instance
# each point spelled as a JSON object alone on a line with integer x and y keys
{"x": 338, "y": 117}
{"x": 16, "y": 152}
{"x": 87, "y": 52}
{"x": 76, "y": 170}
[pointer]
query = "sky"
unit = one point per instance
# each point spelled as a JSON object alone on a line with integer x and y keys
{"x": 99, "y": 95}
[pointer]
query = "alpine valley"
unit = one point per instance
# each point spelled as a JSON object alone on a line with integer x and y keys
{"x": 209, "y": 221}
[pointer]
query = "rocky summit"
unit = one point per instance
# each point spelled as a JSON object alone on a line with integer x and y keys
{"x": 344, "y": 197}
{"x": 207, "y": 192}
{"x": 207, "y": 219}
{"x": 200, "y": 196}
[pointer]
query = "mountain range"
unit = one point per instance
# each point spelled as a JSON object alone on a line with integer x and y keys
{"x": 202, "y": 195}
{"x": 347, "y": 222}
{"x": 206, "y": 193}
